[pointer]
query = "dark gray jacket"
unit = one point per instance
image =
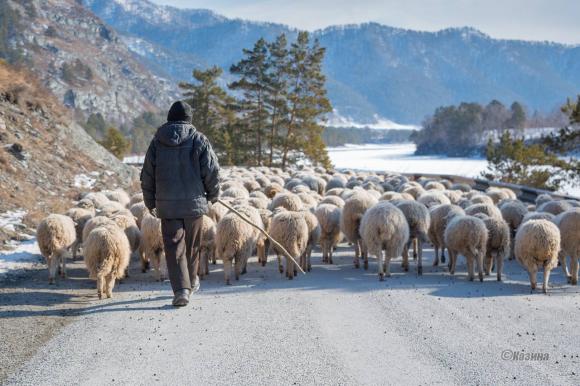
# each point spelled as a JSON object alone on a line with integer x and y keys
{"x": 180, "y": 172}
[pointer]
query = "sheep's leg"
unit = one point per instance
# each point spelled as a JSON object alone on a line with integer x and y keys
{"x": 62, "y": 255}
{"x": 480, "y": 265}
{"x": 308, "y": 261}
{"x": 100, "y": 285}
{"x": 290, "y": 268}
{"x": 387, "y": 265}
{"x": 356, "y": 254}
{"x": 365, "y": 252}
{"x": 380, "y": 264}
{"x": 436, "y": 259}
{"x": 470, "y": 268}
{"x": 280, "y": 267}
{"x": 564, "y": 264}
{"x": 574, "y": 268}
{"x": 546, "y": 280}
{"x": 499, "y": 265}
{"x": 443, "y": 253}
{"x": 110, "y": 284}
{"x": 144, "y": 258}
{"x": 206, "y": 263}
{"x": 512, "y": 246}
{"x": 420, "y": 259}
{"x": 452, "y": 261}
{"x": 237, "y": 268}
{"x": 329, "y": 252}
{"x": 532, "y": 272}
{"x": 487, "y": 263}
{"x": 415, "y": 248}
{"x": 227, "y": 270}
{"x": 405, "y": 263}
{"x": 53, "y": 264}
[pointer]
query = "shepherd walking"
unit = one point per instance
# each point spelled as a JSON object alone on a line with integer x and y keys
{"x": 179, "y": 176}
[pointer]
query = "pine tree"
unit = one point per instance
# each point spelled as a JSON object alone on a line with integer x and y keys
{"x": 116, "y": 143}
{"x": 518, "y": 117}
{"x": 253, "y": 82}
{"x": 209, "y": 103}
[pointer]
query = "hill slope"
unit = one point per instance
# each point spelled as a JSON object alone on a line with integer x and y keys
{"x": 82, "y": 60}
{"x": 372, "y": 69}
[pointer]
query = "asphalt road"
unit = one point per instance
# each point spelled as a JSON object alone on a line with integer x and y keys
{"x": 336, "y": 326}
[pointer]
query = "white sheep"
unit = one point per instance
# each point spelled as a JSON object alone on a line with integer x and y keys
{"x": 498, "y": 244}
{"x": 107, "y": 253}
{"x": 313, "y": 238}
{"x": 384, "y": 228}
{"x": 440, "y": 216}
{"x": 291, "y": 231}
{"x": 207, "y": 245}
{"x": 80, "y": 217}
{"x": 152, "y": 249}
{"x": 350, "y": 220}
{"x": 569, "y": 224}
{"x": 537, "y": 245}
{"x": 466, "y": 235}
{"x": 328, "y": 216}
{"x": 419, "y": 220}
{"x": 287, "y": 200}
{"x": 55, "y": 235}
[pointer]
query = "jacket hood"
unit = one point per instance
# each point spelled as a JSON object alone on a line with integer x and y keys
{"x": 175, "y": 133}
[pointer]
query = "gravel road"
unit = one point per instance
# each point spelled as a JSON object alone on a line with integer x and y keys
{"x": 336, "y": 326}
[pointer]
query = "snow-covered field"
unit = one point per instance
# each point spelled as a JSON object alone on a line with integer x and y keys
{"x": 400, "y": 158}
{"x": 24, "y": 255}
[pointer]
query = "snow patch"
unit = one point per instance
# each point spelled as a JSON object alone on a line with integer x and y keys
{"x": 12, "y": 220}
{"x": 23, "y": 256}
{"x": 85, "y": 182}
{"x": 379, "y": 123}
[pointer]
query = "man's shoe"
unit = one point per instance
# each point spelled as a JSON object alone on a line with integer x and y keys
{"x": 181, "y": 298}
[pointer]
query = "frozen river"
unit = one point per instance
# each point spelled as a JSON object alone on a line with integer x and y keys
{"x": 401, "y": 158}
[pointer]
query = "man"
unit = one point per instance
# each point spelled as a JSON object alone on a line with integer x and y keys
{"x": 179, "y": 177}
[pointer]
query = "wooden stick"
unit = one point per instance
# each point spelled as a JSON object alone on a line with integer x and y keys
{"x": 276, "y": 244}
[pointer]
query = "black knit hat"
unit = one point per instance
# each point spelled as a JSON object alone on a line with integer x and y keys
{"x": 180, "y": 112}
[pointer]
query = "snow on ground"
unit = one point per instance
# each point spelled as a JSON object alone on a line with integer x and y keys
{"x": 85, "y": 181}
{"x": 11, "y": 219}
{"x": 134, "y": 159}
{"x": 23, "y": 256}
{"x": 400, "y": 158}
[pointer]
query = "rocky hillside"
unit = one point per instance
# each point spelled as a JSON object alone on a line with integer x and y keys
{"x": 372, "y": 70}
{"x": 81, "y": 60}
{"x": 45, "y": 159}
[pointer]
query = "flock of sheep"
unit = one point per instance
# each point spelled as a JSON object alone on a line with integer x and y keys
{"x": 381, "y": 214}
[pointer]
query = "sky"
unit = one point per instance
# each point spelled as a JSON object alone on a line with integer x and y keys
{"x": 552, "y": 20}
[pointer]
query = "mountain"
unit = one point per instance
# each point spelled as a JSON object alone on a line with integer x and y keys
{"x": 373, "y": 71}
{"x": 46, "y": 159}
{"x": 81, "y": 59}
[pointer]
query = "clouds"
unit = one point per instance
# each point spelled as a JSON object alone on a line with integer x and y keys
{"x": 554, "y": 20}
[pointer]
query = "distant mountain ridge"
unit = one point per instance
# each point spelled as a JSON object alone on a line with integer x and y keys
{"x": 373, "y": 70}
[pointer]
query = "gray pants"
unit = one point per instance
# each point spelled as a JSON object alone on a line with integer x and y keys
{"x": 181, "y": 239}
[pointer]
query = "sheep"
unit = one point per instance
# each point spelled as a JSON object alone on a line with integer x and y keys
{"x": 513, "y": 213}
{"x": 440, "y": 216}
{"x": 291, "y": 231}
{"x": 119, "y": 196}
{"x": 352, "y": 213}
{"x": 236, "y": 240}
{"x": 138, "y": 210}
{"x": 497, "y": 194}
{"x": 389, "y": 196}
{"x": 106, "y": 255}
{"x": 258, "y": 202}
{"x": 384, "y": 227}
{"x": 251, "y": 185}
{"x": 537, "y": 244}
{"x": 262, "y": 247}
{"x": 542, "y": 198}
{"x": 554, "y": 207}
{"x": 289, "y": 201}
{"x": 129, "y": 226}
{"x": 464, "y": 203}
{"x": 337, "y": 181}
{"x": 111, "y": 208}
{"x": 98, "y": 199}
{"x": 328, "y": 216}
{"x": 307, "y": 200}
{"x": 466, "y": 235}
{"x": 236, "y": 192}
{"x": 259, "y": 194}
{"x": 55, "y": 235}
{"x": 217, "y": 211}
{"x": 336, "y": 192}
{"x": 569, "y": 224}
{"x": 488, "y": 210}
{"x": 333, "y": 200}
{"x": 454, "y": 196}
{"x": 537, "y": 216}
{"x": 207, "y": 245}
{"x": 152, "y": 250}
{"x": 87, "y": 204}
{"x": 313, "y": 238}
{"x": 80, "y": 217}
{"x": 94, "y": 223}
{"x": 433, "y": 198}
{"x": 481, "y": 199}
{"x": 434, "y": 185}
{"x": 460, "y": 186}
{"x": 419, "y": 220}
{"x": 498, "y": 244}
{"x": 136, "y": 198}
